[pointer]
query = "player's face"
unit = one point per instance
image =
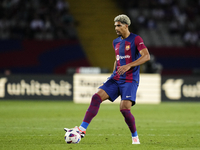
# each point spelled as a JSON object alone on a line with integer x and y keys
{"x": 120, "y": 28}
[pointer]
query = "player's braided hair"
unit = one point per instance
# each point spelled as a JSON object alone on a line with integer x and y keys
{"x": 123, "y": 19}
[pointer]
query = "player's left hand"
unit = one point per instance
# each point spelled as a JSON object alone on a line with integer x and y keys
{"x": 122, "y": 69}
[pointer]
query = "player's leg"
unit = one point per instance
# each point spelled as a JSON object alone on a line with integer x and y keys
{"x": 109, "y": 90}
{"x": 93, "y": 109}
{"x": 128, "y": 100}
{"x": 125, "y": 107}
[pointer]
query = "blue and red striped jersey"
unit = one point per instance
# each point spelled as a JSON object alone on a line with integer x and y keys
{"x": 127, "y": 51}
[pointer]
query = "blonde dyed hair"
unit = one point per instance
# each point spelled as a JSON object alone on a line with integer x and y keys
{"x": 123, "y": 19}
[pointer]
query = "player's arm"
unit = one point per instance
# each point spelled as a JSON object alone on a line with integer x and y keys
{"x": 145, "y": 56}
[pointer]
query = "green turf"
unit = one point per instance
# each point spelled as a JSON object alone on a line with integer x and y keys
{"x": 38, "y": 125}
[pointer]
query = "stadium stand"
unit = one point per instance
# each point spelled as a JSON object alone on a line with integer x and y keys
{"x": 171, "y": 31}
{"x": 36, "y": 19}
{"x": 96, "y": 29}
{"x": 169, "y": 28}
{"x": 165, "y": 22}
{"x": 38, "y": 37}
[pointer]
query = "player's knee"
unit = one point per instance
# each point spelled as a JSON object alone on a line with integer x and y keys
{"x": 125, "y": 104}
{"x": 102, "y": 94}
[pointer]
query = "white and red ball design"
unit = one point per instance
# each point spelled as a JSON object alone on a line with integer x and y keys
{"x": 72, "y": 136}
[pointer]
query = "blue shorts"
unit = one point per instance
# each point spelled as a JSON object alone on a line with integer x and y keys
{"x": 115, "y": 88}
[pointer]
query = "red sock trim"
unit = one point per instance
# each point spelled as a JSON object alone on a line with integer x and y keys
{"x": 124, "y": 109}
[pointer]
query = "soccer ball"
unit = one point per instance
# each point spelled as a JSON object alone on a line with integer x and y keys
{"x": 72, "y": 136}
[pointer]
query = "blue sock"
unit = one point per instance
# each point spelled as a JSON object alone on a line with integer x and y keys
{"x": 84, "y": 125}
{"x": 134, "y": 134}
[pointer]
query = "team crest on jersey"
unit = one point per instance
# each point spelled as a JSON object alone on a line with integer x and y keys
{"x": 127, "y": 47}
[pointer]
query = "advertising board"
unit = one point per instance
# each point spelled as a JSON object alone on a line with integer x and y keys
{"x": 44, "y": 87}
{"x": 85, "y": 85}
{"x": 181, "y": 88}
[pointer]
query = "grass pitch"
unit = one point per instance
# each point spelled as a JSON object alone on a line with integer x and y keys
{"x": 38, "y": 125}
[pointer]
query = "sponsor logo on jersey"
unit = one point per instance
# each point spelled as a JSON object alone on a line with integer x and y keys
{"x": 141, "y": 43}
{"x": 122, "y": 57}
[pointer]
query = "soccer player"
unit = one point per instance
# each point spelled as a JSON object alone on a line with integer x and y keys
{"x": 130, "y": 53}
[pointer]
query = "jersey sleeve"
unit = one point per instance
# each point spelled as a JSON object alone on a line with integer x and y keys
{"x": 139, "y": 43}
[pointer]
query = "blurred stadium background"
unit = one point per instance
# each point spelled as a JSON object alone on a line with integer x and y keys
{"x": 57, "y": 38}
